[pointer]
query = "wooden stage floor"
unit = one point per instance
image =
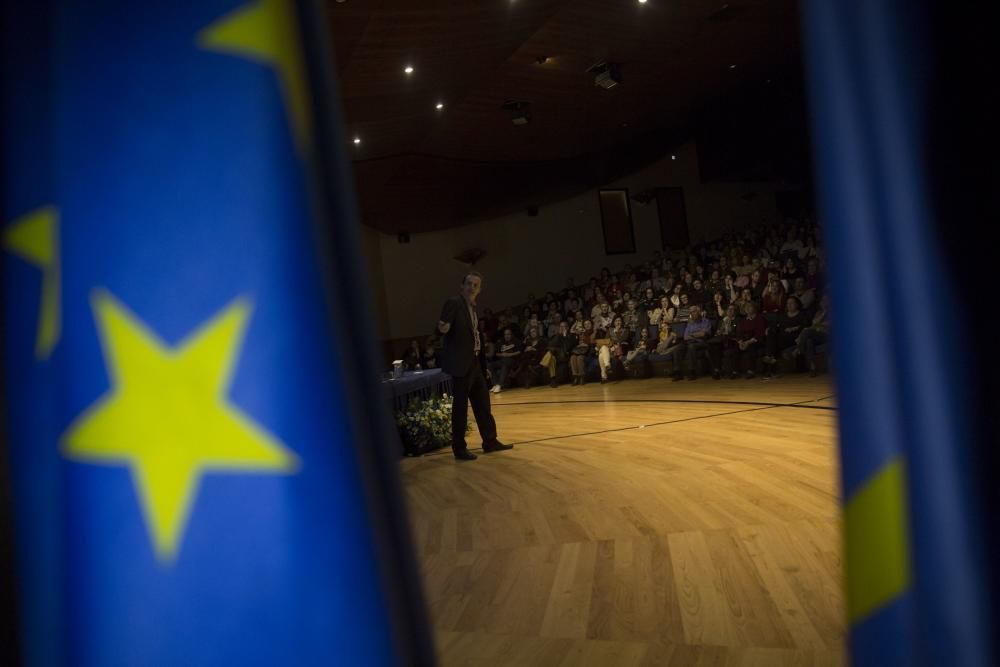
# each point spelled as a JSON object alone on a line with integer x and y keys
{"x": 639, "y": 523}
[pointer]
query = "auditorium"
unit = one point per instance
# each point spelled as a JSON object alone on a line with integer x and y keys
{"x": 496, "y": 333}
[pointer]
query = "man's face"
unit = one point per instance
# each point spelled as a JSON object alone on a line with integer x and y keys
{"x": 604, "y": 309}
{"x": 697, "y": 284}
{"x": 791, "y": 305}
{"x": 695, "y": 313}
{"x": 731, "y": 311}
{"x": 684, "y": 298}
{"x": 471, "y": 287}
{"x": 631, "y": 305}
{"x": 508, "y": 335}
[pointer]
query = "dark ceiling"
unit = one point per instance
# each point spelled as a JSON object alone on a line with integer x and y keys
{"x": 418, "y": 168}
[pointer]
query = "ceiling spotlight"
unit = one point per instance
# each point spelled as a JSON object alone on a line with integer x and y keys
{"x": 642, "y": 2}
{"x": 357, "y": 140}
{"x": 439, "y": 105}
{"x": 673, "y": 157}
{"x": 408, "y": 69}
{"x": 541, "y": 60}
{"x": 732, "y": 67}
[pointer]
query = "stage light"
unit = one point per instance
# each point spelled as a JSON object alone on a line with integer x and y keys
{"x": 357, "y": 140}
{"x": 439, "y": 105}
{"x": 408, "y": 69}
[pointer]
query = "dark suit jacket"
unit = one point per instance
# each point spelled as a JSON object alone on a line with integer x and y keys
{"x": 457, "y": 356}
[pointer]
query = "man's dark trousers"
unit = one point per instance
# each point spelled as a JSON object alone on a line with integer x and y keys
{"x": 471, "y": 388}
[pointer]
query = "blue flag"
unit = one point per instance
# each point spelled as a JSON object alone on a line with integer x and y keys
{"x": 187, "y": 486}
{"x": 915, "y": 558}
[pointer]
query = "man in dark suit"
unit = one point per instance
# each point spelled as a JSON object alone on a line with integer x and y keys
{"x": 464, "y": 359}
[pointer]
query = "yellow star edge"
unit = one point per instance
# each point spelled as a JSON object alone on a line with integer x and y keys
{"x": 166, "y": 416}
{"x": 267, "y": 32}
{"x": 34, "y": 238}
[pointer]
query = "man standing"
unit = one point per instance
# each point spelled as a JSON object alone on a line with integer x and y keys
{"x": 462, "y": 358}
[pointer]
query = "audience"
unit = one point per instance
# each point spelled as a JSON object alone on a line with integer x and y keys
{"x": 748, "y": 299}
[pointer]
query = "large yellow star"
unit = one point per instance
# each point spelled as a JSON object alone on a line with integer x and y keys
{"x": 166, "y": 416}
{"x": 268, "y": 31}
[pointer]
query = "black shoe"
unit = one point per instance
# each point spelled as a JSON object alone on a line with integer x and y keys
{"x": 750, "y": 375}
{"x": 716, "y": 375}
{"x": 691, "y": 378}
{"x": 496, "y": 446}
{"x": 812, "y": 372}
{"x": 604, "y": 380}
{"x": 553, "y": 384}
{"x": 677, "y": 378}
{"x": 465, "y": 455}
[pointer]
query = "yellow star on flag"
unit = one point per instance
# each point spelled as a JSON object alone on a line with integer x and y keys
{"x": 35, "y": 238}
{"x": 267, "y": 31}
{"x": 166, "y": 416}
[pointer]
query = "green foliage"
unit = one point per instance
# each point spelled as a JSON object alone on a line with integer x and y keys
{"x": 425, "y": 425}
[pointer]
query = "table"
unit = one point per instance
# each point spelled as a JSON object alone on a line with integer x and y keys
{"x": 415, "y": 384}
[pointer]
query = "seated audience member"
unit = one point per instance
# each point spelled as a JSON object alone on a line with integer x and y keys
{"x": 729, "y": 289}
{"x": 620, "y": 338}
{"x": 789, "y": 272}
{"x": 750, "y": 337}
{"x": 604, "y": 317}
{"x": 715, "y": 282}
{"x": 531, "y": 323}
{"x": 508, "y": 350}
{"x": 781, "y": 335}
{"x": 599, "y": 308}
{"x": 684, "y": 310}
{"x": 577, "y": 327}
{"x": 552, "y": 320}
{"x": 649, "y": 300}
{"x": 697, "y": 295}
{"x": 774, "y": 297}
{"x": 572, "y": 303}
{"x": 814, "y": 278}
{"x": 723, "y": 340}
{"x": 757, "y": 285}
{"x": 696, "y": 336}
{"x": 603, "y": 343}
{"x": 670, "y": 349}
{"x": 718, "y": 306}
{"x": 814, "y": 334}
{"x": 411, "y": 360}
{"x": 583, "y": 352}
{"x": 429, "y": 358}
{"x": 675, "y": 295}
{"x": 632, "y": 317}
{"x": 804, "y": 294}
{"x": 640, "y": 348}
{"x": 531, "y": 353}
{"x": 558, "y": 350}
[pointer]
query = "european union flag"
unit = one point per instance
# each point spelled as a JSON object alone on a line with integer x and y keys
{"x": 917, "y": 570}
{"x": 182, "y": 433}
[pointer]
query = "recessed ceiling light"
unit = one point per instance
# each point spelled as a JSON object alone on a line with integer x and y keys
{"x": 732, "y": 67}
{"x": 642, "y": 2}
{"x": 673, "y": 157}
{"x": 408, "y": 69}
{"x": 357, "y": 140}
{"x": 439, "y": 105}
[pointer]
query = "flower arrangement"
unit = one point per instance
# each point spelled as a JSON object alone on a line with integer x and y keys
{"x": 426, "y": 424}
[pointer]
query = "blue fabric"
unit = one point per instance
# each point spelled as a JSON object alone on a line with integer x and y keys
{"x": 180, "y": 189}
{"x": 901, "y": 393}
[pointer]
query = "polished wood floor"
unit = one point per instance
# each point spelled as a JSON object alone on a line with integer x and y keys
{"x": 639, "y": 523}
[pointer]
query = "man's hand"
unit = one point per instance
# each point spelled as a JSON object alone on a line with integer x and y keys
{"x": 444, "y": 327}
